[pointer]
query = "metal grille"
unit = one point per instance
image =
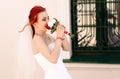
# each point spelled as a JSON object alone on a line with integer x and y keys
{"x": 96, "y": 24}
{"x": 86, "y": 23}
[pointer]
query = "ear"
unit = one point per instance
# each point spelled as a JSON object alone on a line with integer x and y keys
{"x": 35, "y": 25}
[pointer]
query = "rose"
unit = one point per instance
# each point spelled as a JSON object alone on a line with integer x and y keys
{"x": 52, "y": 25}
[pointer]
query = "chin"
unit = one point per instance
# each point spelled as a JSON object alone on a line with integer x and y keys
{"x": 45, "y": 30}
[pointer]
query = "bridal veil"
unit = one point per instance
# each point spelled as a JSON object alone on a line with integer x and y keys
{"x": 26, "y": 66}
{"x": 25, "y": 59}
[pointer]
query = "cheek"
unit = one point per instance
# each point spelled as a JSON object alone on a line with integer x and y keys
{"x": 42, "y": 25}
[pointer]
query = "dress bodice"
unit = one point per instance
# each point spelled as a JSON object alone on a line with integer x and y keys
{"x": 44, "y": 63}
{"x": 53, "y": 71}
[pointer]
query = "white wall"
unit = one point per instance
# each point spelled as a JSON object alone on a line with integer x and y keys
{"x": 94, "y": 71}
{"x": 13, "y": 14}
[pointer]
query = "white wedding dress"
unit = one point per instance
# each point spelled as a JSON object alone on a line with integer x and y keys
{"x": 52, "y": 71}
{"x": 28, "y": 66}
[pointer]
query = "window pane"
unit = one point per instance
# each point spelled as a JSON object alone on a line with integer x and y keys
{"x": 113, "y": 23}
{"x": 86, "y": 23}
{"x": 96, "y": 24}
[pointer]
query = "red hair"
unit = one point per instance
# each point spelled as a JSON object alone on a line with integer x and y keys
{"x": 34, "y": 14}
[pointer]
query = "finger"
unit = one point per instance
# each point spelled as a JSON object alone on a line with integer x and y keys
{"x": 63, "y": 26}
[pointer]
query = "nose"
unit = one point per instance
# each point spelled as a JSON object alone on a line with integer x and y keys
{"x": 47, "y": 20}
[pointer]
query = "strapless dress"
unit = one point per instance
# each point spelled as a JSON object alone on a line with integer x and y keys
{"x": 52, "y": 71}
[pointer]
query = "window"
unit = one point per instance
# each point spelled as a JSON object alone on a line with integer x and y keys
{"x": 96, "y": 25}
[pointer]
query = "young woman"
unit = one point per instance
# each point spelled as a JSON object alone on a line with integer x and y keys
{"x": 46, "y": 49}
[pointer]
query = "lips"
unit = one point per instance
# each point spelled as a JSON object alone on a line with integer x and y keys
{"x": 47, "y": 27}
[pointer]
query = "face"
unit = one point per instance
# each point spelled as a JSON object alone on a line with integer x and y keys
{"x": 42, "y": 19}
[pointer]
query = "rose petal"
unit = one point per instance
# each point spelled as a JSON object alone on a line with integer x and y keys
{"x": 53, "y": 20}
{"x": 66, "y": 32}
{"x": 47, "y": 26}
{"x": 50, "y": 24}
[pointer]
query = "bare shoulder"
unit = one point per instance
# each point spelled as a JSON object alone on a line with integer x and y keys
{"x": 38, "y": 43}
{"x": 37, "y": 39}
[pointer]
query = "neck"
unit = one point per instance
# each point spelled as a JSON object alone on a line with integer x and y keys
{"x": 40, "y": 33}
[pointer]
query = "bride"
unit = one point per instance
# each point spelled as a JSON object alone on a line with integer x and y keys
{"x": 40, "y": 47}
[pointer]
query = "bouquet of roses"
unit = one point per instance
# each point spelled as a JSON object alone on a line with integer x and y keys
{"x": 52, "y": 26}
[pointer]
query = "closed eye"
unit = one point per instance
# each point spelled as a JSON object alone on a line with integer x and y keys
{"x": 45, "y": 18}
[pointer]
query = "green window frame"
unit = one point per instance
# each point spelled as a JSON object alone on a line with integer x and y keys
{"x": 96, "y": 25}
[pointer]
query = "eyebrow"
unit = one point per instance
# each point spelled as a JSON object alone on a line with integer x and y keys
{"x": 46, "y": 17}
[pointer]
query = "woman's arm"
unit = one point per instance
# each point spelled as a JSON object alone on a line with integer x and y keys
{"x": 51, "y": 55}
{"x": 65, "y": 44}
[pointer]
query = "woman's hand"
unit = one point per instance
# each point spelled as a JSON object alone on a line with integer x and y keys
{"x": 60, "y": 30}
